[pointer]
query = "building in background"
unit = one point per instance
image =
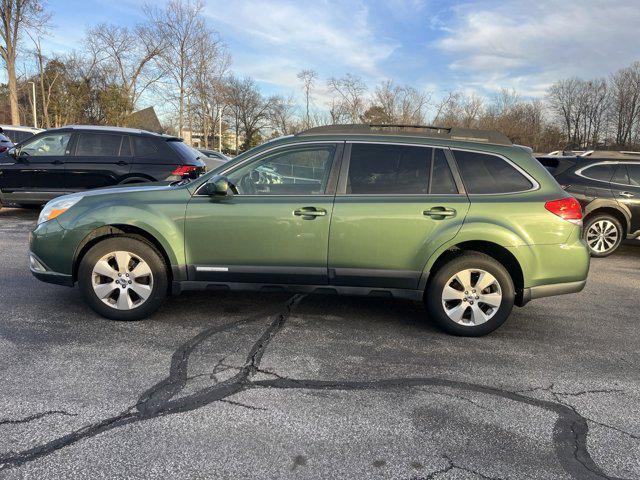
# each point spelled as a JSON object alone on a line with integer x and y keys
{"x": 145, "y": 119}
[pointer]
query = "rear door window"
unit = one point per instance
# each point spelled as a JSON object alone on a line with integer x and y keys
{"x": 99, "y": 144}
{"x": 602, "y": 172}
{"x": 634, "y": 174}
{"x": 621, "y": 176}
{"x": 441, "y": 178}
{"x": 388, "y": 170}
{"x": 489, "y": 174}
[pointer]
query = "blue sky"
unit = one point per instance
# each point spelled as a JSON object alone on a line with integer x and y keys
{"x": 472, "y": 46}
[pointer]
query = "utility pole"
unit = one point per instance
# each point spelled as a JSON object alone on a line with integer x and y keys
{"x": 220, "y": 129}
{"x": 35, "y": 117}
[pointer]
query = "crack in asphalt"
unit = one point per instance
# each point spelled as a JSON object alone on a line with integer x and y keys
{"x": 451, "y": 465}
{"x": 569, "y": 433}
{"x": 36, "y": 416}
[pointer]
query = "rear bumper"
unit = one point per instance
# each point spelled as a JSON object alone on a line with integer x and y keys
{"x": 551, "y": 290}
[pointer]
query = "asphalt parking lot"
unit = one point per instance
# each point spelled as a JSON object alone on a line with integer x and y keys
{"x": 221, "y": 385}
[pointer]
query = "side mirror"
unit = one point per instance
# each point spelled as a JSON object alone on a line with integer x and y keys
{"x": 13, "y": 152}
{"x": 217, "y": 186}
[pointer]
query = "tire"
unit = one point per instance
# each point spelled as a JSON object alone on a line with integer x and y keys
{"x": 103, "y": 281}
{"x": 603, "y": 234}
{"x": 477, "y": 318}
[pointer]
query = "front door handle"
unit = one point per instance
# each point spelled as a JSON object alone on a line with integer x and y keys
{"x": 440, "y": 212}
{"x": 309, "y": 213}
{"x": 627, "y": 194}
{"x": 57, "y": 162}
{"x": 122, "y": 163}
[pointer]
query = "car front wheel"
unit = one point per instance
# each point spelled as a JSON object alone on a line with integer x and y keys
{"x": 123, "y": 278}
{"x": 471, "y": 295}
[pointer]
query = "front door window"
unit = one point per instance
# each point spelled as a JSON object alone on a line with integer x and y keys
{"x": 295, "y": 171}
{"x": 53, "y": 145}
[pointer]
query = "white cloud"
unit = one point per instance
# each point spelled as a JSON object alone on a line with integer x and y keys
{"x": 296, "y": 35}
{"x": 528, "y": 45}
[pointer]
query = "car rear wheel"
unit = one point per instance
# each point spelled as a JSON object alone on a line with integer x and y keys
{"x": 603, "y": 234}
{"x": 123, "y": 278}
{"x": 471, "y": 295}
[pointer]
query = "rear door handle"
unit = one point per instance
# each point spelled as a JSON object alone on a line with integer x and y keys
{"x": 627, "y": 194}
{"x": 57, "y": 162}
{"x": 121, "y": 163}
{"x": 440, "y": 212}
{"x": 309, "y": 213}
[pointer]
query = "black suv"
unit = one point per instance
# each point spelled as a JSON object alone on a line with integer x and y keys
{"x": 607, "y": 185}
{"x": 76, "y": 158}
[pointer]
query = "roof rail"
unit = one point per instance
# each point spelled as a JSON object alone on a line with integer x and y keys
{"x": 430, "y": 131}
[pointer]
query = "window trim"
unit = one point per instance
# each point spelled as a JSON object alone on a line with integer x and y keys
{"x": 338, "y": 159}
{"x": 534, "y": 183}
{"x": 344, "y": 172}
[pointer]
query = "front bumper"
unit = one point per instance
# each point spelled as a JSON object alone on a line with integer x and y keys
{"x": 43, "y": 273}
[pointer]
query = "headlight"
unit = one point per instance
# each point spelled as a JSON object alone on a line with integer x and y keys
{"x": 58, "y": 206}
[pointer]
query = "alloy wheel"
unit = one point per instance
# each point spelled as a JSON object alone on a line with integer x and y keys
{"x": 602, "y": 236}
{"x": 471, "y": 297}
{"x": 122, "y": 280}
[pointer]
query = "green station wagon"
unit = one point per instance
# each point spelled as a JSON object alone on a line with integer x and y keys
{"x": 460, "y": 219}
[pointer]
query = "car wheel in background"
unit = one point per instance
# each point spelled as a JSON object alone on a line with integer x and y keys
{"x": 123, "y": 278}
{"x": 471, "y": 295}
{"x": 603, "y": 234}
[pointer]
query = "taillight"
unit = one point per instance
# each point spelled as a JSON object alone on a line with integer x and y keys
{"x": 566, "y": 208}
{"x": 184, "y": 170}
{"x": 3, "y": 149}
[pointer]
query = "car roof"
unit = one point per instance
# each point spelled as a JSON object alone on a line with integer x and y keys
{"x": 133, "y": 131}
{"x": 423, "y": 131}
{"x": 21, "y": 128}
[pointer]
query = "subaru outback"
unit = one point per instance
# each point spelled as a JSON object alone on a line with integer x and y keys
{"x": 460, "y": 219}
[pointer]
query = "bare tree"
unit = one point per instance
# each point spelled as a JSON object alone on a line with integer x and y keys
{"x": 249, "y": 108}
{"x": 211, "y": 63}
{"x": 181, "y": 26}
{"x": 282, "y": 116}
{"x": 308, "y": 78}
{"x": 127, "y": 54}
{"x": 17, "y": 16}
{"x": 625, "y": 103}
{"x": 400, "y": 104}
{"x": 350, "y": 101}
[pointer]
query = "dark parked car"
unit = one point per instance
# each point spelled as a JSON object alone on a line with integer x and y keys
{"x": 19, "y": 133}
{"x": 607, "y": 185}
{"x": 77, "y": 158}
{"x": 5, "y": 142}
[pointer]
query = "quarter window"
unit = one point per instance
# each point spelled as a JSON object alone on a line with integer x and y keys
{"x": 602, "y": 172}
{"x": 144, "y": 146}
{"x": 388, "y": 169}
{"x": 295, "y": 171}
{"x": 98, "y": 145}
{"x": 51, "y": 145}
{"x": 488, "y": 174}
